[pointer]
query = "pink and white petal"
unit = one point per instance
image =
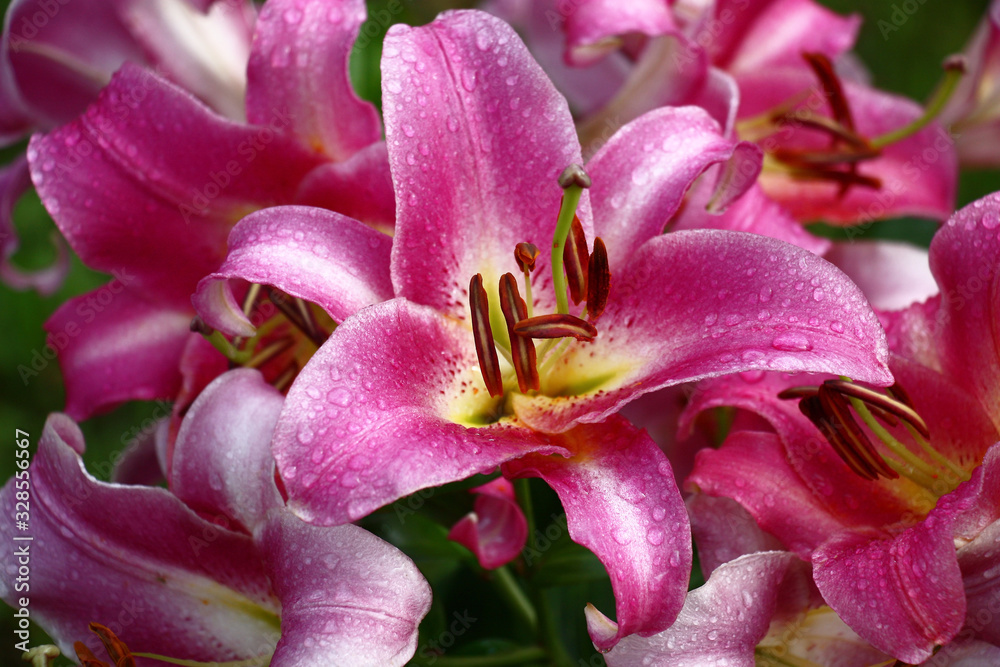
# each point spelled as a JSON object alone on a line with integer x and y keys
{"x": 497, "y": 529}
{"x": 723, "y": 531}
{"x": 141, "y": 462}
{"x": 965, "y": 653}
{"x": 641, "y": 175}
{"x": 222, "y": 463}
{"x": 892, "y": 275}
{"x": 981, "y": 575}
{"x": 346, "y": 596}
{"x": 724, "y": 302}
{"x": 204, "y": 49}
{"x": 299, "y": 64}
{"x": 902, "y": 594}
{"x": 963, "y": 258}
{"x": 186, "y": 584}
{"x": 129, "y": 198}
{"x": 359, "y": 187}
{"x": 596, "y": 27}
{"x": 311, "y": 253}
{"x": 392, "y": 403}
{"x": 15, "y": 180}
{"x": 115, "y": 346}
{"x": 754, "y": 212}
{"x": 721, "y": 622}
{"x": 477, "y": 173}
{"x": 918, "y": 175}
{"x": 621, "y": 502}
{"x": 782, "y": 30}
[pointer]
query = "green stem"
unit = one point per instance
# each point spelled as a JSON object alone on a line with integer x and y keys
{"x": 519, "y": 656}
{"x": 571, "y": 199}
{"x": 515, "y": 597}
{"x": 550, "y": 633}
{"x": 523, "y": 492}
{"x": 934, "y": 107}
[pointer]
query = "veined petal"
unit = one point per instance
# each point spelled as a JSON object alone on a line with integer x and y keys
{"x": 699, "y": 304}
{"x": 378, "y": 413}
{"x": 222, "y": 462}
{"x": 621, "y": 502}
{"x": 346, "y": 596}
{"x": 317, "y": 255}
{"x": 641, "y": 175}
{"x": 299, "y": 63}
{"x": 963, "y": 258}
{"x": 476, "y": 174}
{"x": 167, "y": 575}
{"x": 115, "y": 346}
{"x": 721, "y": 621}
{"x": 14, "y": 182}
{"x": 130, "y": 198}
{"x": 497, "y": 529}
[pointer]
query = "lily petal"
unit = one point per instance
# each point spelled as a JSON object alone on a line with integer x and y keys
{"x": 757, "y": 304}
{"x": 480, "y": 172}
{"x": 497, "y": 529}
{"x": 346, "y": 596}
{"x": 168, "y": 573}
{"x": 892, "y": 275}
{"x": 721, "y": 621}
{"x": 621, "y": 502}
{"x": 300, "y": 61}
{"x": 222, "y": 463}
{"x": 115, "y": 346}
{"x": 594, "y": 27}
{"x": 723, "y": 531}
{"x": 376, "y": 415}
{"x": 360, "y": 187}
{"x": 128, "y": 198}
{"x": 317, "y": 255}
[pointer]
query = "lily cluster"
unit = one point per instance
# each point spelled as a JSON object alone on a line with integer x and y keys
{"x": 562, "y": 263}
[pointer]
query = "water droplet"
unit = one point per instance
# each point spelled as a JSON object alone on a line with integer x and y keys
{"x": 791, "y": 342}
{"x": 818, "y": 294}
{"x": 655, "y": 536}
{"x": 292, "y": 16}
{"x": 468, "y": 80}
{"x": 340, "y": 397}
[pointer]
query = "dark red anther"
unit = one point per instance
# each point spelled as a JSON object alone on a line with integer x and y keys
{"x": 522, "y": 350}
{"x": 880, "y": 401}
{"x": 575, "y": 261}
{"x": 835, "y": 433}
{"x": 599, "y": 284}
{"x": 525, "y": 255}
{"x": 834, "y": 92}
{"x": 117, "y": 651}
{"x": 556, "y": 326}
{"x": 853, "y": 445}
{"x": 489, "y": 363}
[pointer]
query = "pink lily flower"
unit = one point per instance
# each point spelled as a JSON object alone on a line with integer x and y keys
{"x": 122, "y": 186}
{"x": 402, "y": 397}
{"x": 901, "y": 526}
{"x": 225, "y": 572}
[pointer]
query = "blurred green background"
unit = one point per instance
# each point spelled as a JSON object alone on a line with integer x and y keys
{"x": 906, "y": 61}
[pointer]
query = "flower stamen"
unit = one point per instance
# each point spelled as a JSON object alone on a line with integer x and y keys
{"x": 599, "y": 281}
{"x": 522, "y": 350}
{"x": 489, "y": 362}
{"x": 556, "y": 326}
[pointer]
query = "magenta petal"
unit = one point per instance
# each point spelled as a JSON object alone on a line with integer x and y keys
{"x": 311, "y": 253}
{"x": 115, "y": 346}
{"x": 721, "y": 622}
{"x": 476, "y": 173}
{"x": 299, "y": 65}
{"x": 892, "y": 275}
{"x": 882, "y": 587}
{"x": 347, "y": 597}
{"x": 360, "y": 188}
{"x": 723, "y": 531}
{"x": 980, "y": 571}
{"x": 222, "y": 463}
{"x": 186, "y": 584}
{"x": 497, "y": 529}
{"x": 594, "y": 27}
{"x": 14, "y": 182}
{"x": 621, "y": 502}
{"x": 724, "y": 302}
{"x": 641, "y": 175}
{"x": 130, "y": 198}
{"x": 372, "y": 417}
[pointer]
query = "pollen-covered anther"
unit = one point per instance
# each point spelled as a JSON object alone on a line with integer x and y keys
{"x": 525, "y": 255}
{"x": 556, "y": 326}
{"x": 599, "y": 280}
{"x": 575, "y": 260}
{"x": 522, "y": 350}
{"x": 489, "y": 362}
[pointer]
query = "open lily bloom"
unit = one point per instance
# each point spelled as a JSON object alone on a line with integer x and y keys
{"x": 411, "y": 393}
{"x": 898, "y": 513}
{"x": 224, "y": 572}
{"x": 148, "y": 183}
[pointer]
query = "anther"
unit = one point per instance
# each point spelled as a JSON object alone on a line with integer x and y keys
{"x": 856, "y": 449}
{"x": 117, "y": 651}
{"x": 880, "y": 401}
{"x": 199, "y": 326}
{"x": 599, "y": 284}
{"x": 575, "y": 260}
{"x": 574, "y": 175}
{"x": 525, "y": 255}
{"x": 522, "y": 350}
{"x": 489, "y": 363}
{"x": 556, "y": 326}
